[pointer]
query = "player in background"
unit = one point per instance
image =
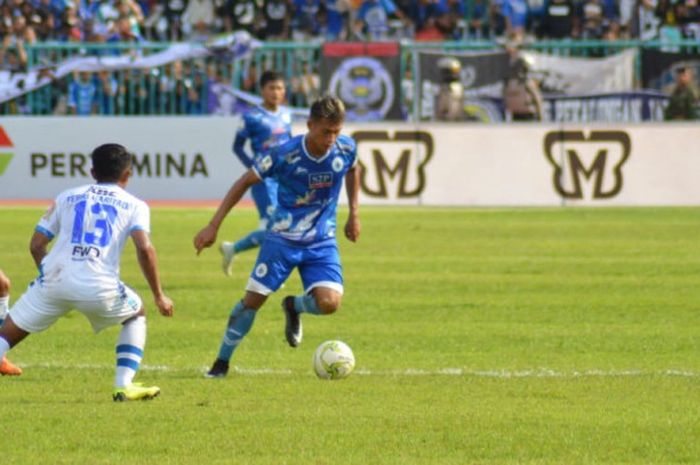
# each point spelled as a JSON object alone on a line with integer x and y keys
{"x": 91, "y": 225}
{"x": 265, "y": 126}
{"x": 310, "y": 170}
{"x": 6, "y": 367}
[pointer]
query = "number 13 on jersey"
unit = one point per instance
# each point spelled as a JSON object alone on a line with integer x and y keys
{"x": 98, "y": 229}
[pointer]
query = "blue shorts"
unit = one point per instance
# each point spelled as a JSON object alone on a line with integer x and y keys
{"x": 265, "y": 196}
{"x": 319, "y": 266}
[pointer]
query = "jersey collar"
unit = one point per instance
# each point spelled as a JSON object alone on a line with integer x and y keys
{"x": 272, "y": 113}
{"x": 311, "y": 157}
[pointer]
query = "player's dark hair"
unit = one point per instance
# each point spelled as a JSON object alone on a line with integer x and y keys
{"x": 270, "y": 76}
{"x": 109, "y": 161}
{"x": 328, "y": 108}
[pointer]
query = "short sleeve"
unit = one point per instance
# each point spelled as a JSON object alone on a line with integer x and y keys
{"x": 264, "y": 165}
{"x": 353, "y": 153}
{"x": 349, "y": 150}
{"x": 141, "y": 219}
{"x": 50, "y": 224}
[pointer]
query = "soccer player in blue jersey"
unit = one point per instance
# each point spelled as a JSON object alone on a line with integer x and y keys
{"x": 264, "y": 126}
{"x": 310, "y": 170}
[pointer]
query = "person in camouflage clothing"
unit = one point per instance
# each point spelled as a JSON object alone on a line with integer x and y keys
{"x": 683, "y": 104}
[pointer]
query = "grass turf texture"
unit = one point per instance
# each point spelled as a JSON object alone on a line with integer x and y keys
{"x": 531, "y": 336}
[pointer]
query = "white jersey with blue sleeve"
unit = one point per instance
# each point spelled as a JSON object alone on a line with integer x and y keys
{"x": 264, "y": 129}
{"x": 308, "y": 190}
{"x": 91, "y": 224}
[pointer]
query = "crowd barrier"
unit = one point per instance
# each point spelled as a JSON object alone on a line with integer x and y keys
{"x": 158, "y": 91}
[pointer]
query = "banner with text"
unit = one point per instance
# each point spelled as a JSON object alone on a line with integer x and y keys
{"x": 483, "y": 73}
{"x": 403, "y": 164}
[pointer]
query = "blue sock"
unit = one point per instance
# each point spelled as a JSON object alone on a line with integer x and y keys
{"x": 239, "y": 323}
{"x": 250, "y": 241}
{"x": 306, "y": 304}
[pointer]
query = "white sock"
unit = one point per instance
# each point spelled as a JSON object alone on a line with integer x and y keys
{"x": 4, "y": 307}
{"x": 132, "y": 340}
{"x": 4, "y": 347}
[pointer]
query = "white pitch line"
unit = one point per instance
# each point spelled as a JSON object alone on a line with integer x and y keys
{"x": 409, "y": 372}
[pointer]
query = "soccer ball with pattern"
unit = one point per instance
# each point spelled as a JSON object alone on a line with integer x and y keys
{"x": 333, "y": 360}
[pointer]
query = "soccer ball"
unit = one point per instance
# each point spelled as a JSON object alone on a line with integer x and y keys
{"x": 333, "y": 360}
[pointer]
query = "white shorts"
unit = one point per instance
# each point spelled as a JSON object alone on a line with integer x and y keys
{"x": 37, "y": 309}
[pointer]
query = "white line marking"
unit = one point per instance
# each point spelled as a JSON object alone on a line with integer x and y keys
{"x": 500, "y": 374}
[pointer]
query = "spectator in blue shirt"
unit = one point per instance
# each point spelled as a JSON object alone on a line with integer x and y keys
{"x": 305, "y": 20}
{"x": 424, "y": 13}
{"x": 335, "y": 15}
{"x": 124, "y": 31}
{"x": 82, "y": 94}
{"x": 106, "y": 91}
{"x": 478, "y": 19}
{"x": 373, "y": 19}
{"x": 515, "y": 13}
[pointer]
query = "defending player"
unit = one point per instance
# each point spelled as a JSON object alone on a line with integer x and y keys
{"x": 265, "y": 126}
{"x": 7, "y": 368}
{"x": 310, "y": 171}
{"x": 91, "y": 224}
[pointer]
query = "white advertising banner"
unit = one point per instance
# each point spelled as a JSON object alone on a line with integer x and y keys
{"x": 190, "y": 159}
{"x": 175, "y": 158}
{"x": 571, "y": 76}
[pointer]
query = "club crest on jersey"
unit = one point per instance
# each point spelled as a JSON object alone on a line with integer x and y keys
{"x": 337, "y": 164}
{"x": 266, "y": 163}
{"x": 320, "y": 180}
{"x": 261, "y": 270}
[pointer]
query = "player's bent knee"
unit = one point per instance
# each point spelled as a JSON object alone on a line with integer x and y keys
{"x": 253, "y": 300}
{"x": 141, "y": 313}
{"x": 328, "y": 304}
{"x": 12, "y": 333}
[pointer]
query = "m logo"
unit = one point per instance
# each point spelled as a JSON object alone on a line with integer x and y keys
{"x": 400, "y": 160}
{"x": 5, "y": 144}
{"x": 579, "y": 160}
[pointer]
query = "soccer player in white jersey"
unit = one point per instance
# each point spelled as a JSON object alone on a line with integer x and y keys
{"x": 91, "y": 224}
{"x": 7, "y": 368}
{"x": 310, "y": 171}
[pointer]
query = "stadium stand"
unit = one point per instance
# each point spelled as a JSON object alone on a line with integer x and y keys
{"x": 38, "y": 33}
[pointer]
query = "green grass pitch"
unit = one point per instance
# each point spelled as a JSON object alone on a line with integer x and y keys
{"x": 506, "y": 336}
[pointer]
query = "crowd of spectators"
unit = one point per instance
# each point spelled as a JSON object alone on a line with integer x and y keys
{"x": 28, "y": 21}
{"x": 157, "y": 21}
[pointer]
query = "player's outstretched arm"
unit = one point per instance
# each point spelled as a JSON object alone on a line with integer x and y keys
{"x": 352, "y": 186}
{"x": 239, "y": 149}
{"x": 37, "y": 247}
{"x": 148, "y": 260}
{"x": 207, "y": 236}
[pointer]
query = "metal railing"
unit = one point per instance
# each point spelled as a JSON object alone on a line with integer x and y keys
{"x": 181, "y": 88}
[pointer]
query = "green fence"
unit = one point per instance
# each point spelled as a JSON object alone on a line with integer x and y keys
{"x": 181, "y": 88}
